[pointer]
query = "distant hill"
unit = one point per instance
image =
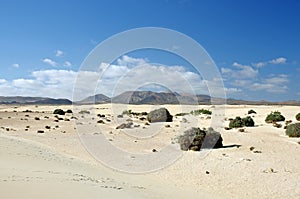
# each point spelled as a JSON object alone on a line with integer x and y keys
{"x": 146, "y": 97}
{"x": 33, "y": 100}
{"x": 142, "y": 97}
{"x": 97, "y": 99}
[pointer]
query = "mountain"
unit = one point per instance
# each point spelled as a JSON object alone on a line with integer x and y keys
{"x": 33, "y": 100}
{"x": 97, "y": 99}
{"x": 146, "y": 97}
{"x": 142, "y": 97}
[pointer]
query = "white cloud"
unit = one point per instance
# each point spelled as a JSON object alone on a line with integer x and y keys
{"x": 273, "y": 84}
{"x": 280, "y": 60}
{"x": 280, "y": 79}
{"x": 242, "y": 71}
{"x": 232, "y": 90}
{"x": 134, "y": 74}
{"x": 2, "y": 81}
{"x": 59, "y": 53}
{"x": 15, "y": 65}
{"x": 67, "y": 63}
{"x": 130, "y": 61}
{"x": 50, "y": 62}
{"x": 259, "y": 64}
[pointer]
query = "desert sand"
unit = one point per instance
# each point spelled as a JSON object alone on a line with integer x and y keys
{"x": 57, "y": 164}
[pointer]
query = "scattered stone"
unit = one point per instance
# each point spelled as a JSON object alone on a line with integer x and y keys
{"x": 160, "y": 115}
{"x": 256, "y": 151}
{"x": 40, "y": 131}
{"x": 167, "y": 126}
{"x": 47, "y": 127}
{"x": 184, "y": 120}
{"x": 125, "y": 125}
{"x": 275, "y": 124}
{"x": 154, "y": 150}
{"x": 100, "y": 122}
{"x": 67, "y": 120}
{"x": 59, "y": 112}
{"x": 252, "y": 148}
{"x": 206, "y": 172}
{"x": 241, "y": 130}
{"x": 142, "y": 118}
{"x": 227, "y": 128}
{"x": 288, "y": 122}
{"x": 37, "y": 118}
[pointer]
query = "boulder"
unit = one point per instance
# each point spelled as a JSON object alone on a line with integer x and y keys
{"x": 195, "y": 138}
{"x": 160, "y": 115}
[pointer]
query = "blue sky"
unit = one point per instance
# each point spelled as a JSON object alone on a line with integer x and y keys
{"x": 255, "y": 44}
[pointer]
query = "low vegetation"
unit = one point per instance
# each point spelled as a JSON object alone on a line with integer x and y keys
{"x": 201, "y": 111}
{"x": 293, "y": 130}
{"x": 274, "y": 117}
{"x": 241, "y": 122}
{"x": 251, "y": 112}
{"x": 298, "y": 117}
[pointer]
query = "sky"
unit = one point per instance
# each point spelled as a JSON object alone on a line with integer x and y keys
{"x": 254, "y": 44}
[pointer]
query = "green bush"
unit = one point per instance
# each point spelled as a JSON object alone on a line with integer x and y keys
{"x": 251, "y": 111}
{"x": 201, "y": 111}
{"x": 59, "y": 112}
{"x": 69, "y": 111}
{"x": 195, "y": 138}
{"x": 84, "y": 112}
{"x": 274, "y": 117}
{"x": 293, "y": 130}
{"x": 248, "y": 121}
{"x": 241, "y": 122}
{"x": 298, "y": 117}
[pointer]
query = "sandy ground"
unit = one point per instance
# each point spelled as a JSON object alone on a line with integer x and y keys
{"x": 77, "y": 156}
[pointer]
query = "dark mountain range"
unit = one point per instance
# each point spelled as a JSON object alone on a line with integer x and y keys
{"x": 97, "y": 99}
{"x": 142, "y": 97}
{"x": 33, "y": 100}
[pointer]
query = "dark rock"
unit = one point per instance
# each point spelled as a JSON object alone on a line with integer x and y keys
{"x": 125, "y": 125}
{"x": 195, "y": 139}
{"x": 160, "y": 115}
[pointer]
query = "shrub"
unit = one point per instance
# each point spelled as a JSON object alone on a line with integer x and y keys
{"x": 298, "y": 117}
{"x": 251, "y": 111}
{"x": 69, "y": 111}
{"x": 201, "y": 111}
{"x": 241, "y": 122}
{"x": 274, "y": 117}
{"x": 126, "y": 112}
{"x": 84, "y": 112}
{"x": 293, "y": 130}
{"x": 195, "y": 139}
{"x": 248, "y": 121}
{"x": 236, "y": 123}
{"x": 59, "y": 112}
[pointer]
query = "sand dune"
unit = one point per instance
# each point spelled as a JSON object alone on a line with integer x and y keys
{"x": 55, "y": 164}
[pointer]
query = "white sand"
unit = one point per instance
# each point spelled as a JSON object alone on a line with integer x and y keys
{"x": 55, "y": 164}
